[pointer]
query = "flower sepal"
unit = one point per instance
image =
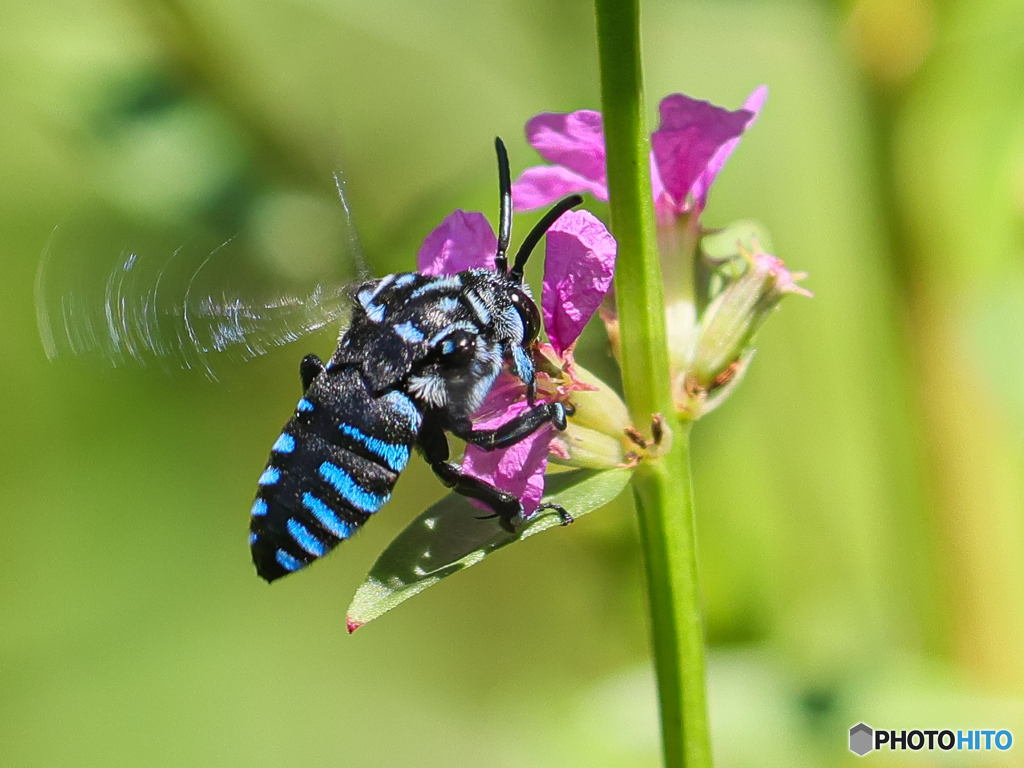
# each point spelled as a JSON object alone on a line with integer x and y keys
{"x": 578, "y": 446}
{"x": 728, "y": 326}
{"x": 694, "y": 401}
{"x": 594, "y": 436}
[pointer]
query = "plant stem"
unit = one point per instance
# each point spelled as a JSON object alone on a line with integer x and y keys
{"x": 665, "y": 503}
{"x": 645, "y": 370}
{"x": 663, "y": 488}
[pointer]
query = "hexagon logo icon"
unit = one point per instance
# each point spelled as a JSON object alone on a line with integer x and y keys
{"x": 862, "y": 739}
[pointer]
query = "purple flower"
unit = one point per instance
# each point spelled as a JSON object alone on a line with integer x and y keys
{"x": 578, "y": 267}
{"x": 689, "y": 149}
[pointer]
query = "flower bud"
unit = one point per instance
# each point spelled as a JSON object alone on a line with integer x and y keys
{"x": 600, "y": 408}
{"x": 595, "y": 435}
{"x": 728, "y": 326}
{"x": 578, "y": 446}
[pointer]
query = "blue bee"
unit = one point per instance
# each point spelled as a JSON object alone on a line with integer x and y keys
{"x": 416, "y": 362}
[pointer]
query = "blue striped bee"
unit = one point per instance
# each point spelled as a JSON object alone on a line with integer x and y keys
{"x": 417, "y": 360}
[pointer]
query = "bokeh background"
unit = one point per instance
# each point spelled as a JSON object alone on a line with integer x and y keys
{"x": 860, "y": 498}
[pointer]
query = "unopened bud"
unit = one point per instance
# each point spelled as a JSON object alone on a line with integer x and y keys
{"x": 600, "y": 408}
{"x": 593, "y": 437}
{"x": 694, "y": 401}
{"x": 578, "y": 446}
{"x": 727, "y": 329}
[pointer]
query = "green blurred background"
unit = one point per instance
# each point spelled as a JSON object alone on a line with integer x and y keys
{"x": 860, "y": 498}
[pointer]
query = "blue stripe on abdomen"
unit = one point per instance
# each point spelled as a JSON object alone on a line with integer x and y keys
{"x": 326, "y": 516}
{"x": 394, "y": 455}
{"x": 285, "y": 443}
{"x": 305, "y": 539}
{"x": 270, "y": 476}
{"x": 288, "y": 562}
{"x": 348, "y": 489}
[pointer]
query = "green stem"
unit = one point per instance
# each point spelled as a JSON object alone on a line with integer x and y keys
{"x": 665, "y": 503}
{"x": 645, "y": 370}
{"x": 663, "y": 488}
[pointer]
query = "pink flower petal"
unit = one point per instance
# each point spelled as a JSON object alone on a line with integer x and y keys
{"x": 518, "y": 469}
{"x": 574, "y": 141}
{"x": 542, "y": 185}
{"x": 690, "y": 136}
{"x": 703, "y": 183}
{"x": 664, "y": 208}
{"x": 657, "y": 186}
{"x": 464, "y": 240}
{"x": 578, "y": 269}
{"x": 506, "y": 393}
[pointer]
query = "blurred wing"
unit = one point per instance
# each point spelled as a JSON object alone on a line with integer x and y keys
{"x": 190, "y": 307}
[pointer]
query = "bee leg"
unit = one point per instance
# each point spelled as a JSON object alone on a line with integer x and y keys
{"x": 507, "y": 508}
{"x": 310, "y": 367}
{"x": 561, "y": 511}
{"x": 515, "y": 430}
{"x": 523, "y": 369}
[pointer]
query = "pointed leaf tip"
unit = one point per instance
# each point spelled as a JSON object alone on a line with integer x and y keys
{"x": 352, "y": 625}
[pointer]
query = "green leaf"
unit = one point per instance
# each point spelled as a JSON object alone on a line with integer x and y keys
{"x": 450, "y": 537}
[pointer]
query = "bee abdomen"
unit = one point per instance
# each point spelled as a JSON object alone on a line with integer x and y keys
{"x": 326, "y": 477}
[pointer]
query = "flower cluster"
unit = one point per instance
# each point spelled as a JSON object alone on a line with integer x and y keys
{"x": 710, "y": 329}
{"x": 719, "y": 287}
{"x": 688, "y": 151}
{"x": 710, "y": 349}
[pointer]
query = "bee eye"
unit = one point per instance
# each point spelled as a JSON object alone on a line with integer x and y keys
{"x": 456, "y": 349}
{"x": 527, "y": 309}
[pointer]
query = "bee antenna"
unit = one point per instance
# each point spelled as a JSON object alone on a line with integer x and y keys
{"x": 505, "y": 217}
{"x": 538, "y": 231}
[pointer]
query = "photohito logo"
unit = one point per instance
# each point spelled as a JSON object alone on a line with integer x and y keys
{"x": 864, "y": 739}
